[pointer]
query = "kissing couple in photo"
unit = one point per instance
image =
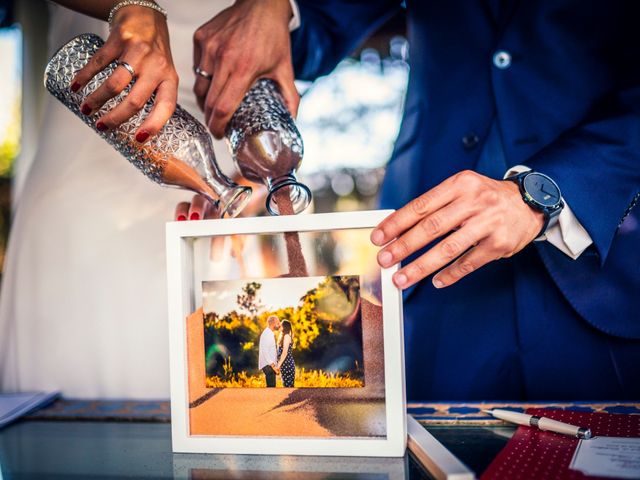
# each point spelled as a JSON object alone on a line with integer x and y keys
{"x": 277, "y": 358}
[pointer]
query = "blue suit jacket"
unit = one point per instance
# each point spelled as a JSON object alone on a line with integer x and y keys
{"x": 568, "y": 105}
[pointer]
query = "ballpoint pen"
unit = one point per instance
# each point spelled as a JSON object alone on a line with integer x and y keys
{"x": 543, "y": 423}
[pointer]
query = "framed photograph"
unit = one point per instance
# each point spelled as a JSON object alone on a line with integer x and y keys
{"x": 286, "y": 338}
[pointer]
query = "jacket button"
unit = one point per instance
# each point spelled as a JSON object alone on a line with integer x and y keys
{"x": 470, "y": 140}
{"x": 502, "y": 59}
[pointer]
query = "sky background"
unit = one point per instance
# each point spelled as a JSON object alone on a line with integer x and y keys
{"x": 351, "y": 117}
{"x": 220, "y": 296}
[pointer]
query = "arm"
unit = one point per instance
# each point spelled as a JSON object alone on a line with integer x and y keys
{"x": 286, "y": 344}
{"x": 245, "y": 42}
{"x": 568, "y": 235}
{"x": 139, "y": 37}
{"x": 273, "y": 354}
{"x": 332, "y": 29}
{"x": 250, "y": 40}
{"x": 97, "y": 8}
{"x": 596, "y": 164}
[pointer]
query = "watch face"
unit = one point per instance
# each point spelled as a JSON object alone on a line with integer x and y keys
{"x": 542, "y": 189}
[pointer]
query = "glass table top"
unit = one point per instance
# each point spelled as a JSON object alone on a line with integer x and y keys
{"x": 100, "y": 450}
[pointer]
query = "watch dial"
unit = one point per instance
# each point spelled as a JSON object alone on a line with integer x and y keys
{"x": 542, "y": 189}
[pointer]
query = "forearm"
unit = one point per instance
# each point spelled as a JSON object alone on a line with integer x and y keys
{"x": 96, "y": 8}
{"x": 596, "y": 165}
{"x": 332, "y": 29}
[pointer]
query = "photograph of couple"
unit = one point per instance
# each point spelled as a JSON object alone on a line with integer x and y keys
{"x": 283, "y": 332}
{"x": 277, "y": 359}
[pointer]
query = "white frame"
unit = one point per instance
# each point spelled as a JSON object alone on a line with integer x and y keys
{"x": 178, "y": 269}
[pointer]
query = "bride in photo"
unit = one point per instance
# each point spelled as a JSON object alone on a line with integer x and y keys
{"x": 286, "y": 364}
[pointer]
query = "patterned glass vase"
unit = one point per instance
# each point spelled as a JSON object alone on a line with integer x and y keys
{"x": 181, "y": 155}
{"x": 267, "y": 147}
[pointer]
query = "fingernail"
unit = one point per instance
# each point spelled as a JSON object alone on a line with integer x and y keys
{"x": 400, "y": 280}
{"x": 437, "y": 283}
{"x": 377, "y": 237}
{"x": 101, "y": 126}
{"x": 75, "y": 87}
{"x": 85, "y": 109}
{"x": 195, "y": 216}
{"x": 385, "y": 258}
{"x": 141, "y": 136}
{"x": 182, "y": 218}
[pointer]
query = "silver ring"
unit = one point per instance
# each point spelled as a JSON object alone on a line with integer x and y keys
{"x": 128, "y": 67}
{"x": 202, "y": 73}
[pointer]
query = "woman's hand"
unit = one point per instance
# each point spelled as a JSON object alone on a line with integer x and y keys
{"x": 199, "y": 208}
{"x": 139, "y": 37}
{"x": 245, "y": 42}
{"x": 484, "y": 219}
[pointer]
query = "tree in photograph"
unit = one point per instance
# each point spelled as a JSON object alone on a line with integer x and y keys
{"x": 248, "y": 300}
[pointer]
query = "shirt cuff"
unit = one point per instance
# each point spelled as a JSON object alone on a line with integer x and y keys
{"x": 294, "y": 23}
{"x": 568, "y": 235}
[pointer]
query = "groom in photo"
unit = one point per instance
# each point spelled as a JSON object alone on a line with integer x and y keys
{"x": 267, "y": 353}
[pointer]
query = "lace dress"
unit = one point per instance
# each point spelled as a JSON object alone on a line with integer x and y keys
{"x": 288, "y": 369}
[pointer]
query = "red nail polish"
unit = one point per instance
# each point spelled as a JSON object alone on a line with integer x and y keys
{"x": 141, "y": 136}
{"x": 101, "y": 126}
{"x": 195, "y": 216}
{"x": 85, "y": 109}
{"x": 182, "y": 218}
{"x": 75, "y": 87}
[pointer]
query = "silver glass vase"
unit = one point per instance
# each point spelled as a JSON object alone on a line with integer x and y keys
{"x": 181, "y": 155}
{"x": 267, "y": 147}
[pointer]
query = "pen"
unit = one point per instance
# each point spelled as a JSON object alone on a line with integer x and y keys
{"x": 543, "y": 423}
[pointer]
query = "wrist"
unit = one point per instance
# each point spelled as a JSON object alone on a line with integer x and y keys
{"x": 542, "y": 195}
{"x": 125, "y": 8}
{"x": 535, "y": 218}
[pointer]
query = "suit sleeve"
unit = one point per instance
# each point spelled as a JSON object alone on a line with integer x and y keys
{"x": 597, "y": 166}
{"x": 332, "y": 29}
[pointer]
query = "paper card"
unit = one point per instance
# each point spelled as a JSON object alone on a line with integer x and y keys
{"x": 608, "y": 457}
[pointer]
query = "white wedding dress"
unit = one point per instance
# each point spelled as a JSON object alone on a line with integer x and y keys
{"x": 83, "y": 305}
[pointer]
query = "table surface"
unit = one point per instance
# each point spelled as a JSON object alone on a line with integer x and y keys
{"x": 125, "y": 439}
{"x": 45, "y": 449}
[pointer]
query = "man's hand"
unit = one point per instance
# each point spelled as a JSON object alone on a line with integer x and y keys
{"x": 245, "y": 42}
{"x": 486, "y": 220}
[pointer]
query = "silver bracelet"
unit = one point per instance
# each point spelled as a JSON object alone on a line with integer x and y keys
{"x": 139, "y": 3}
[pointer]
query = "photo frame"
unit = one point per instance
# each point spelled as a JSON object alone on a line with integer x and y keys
{"x": 319, "y": 274}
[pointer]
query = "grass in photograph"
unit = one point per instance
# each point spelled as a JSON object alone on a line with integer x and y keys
{"x": 304, "y": 379}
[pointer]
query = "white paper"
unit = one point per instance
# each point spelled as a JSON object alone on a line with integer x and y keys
{"x": 15, "y": 405}
{"x": 617, "y": 457}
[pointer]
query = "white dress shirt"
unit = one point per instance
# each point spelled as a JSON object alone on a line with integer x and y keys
{"x": 294, "y": 23}
{"x": 267, "y": 354}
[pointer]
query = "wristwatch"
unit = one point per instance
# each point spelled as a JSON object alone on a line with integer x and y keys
{"x": 541, "y": 193}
